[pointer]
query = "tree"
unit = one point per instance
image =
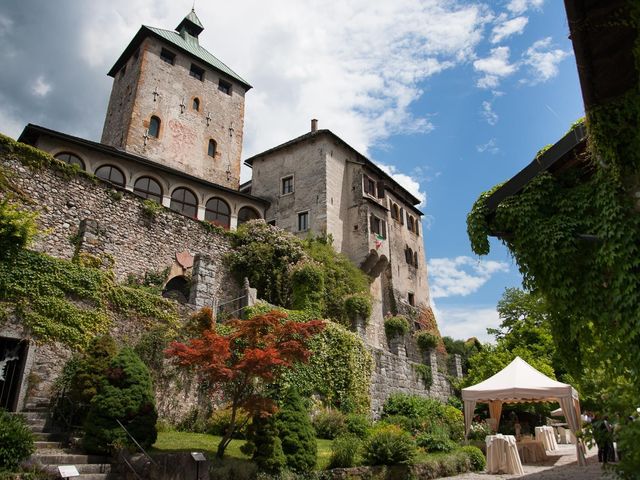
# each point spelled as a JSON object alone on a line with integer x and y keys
{"x": 242, "y": 362}
{"x": 524, "y": 332}
{"x": 296, "y": 433}
{"x": 126, "y": 396}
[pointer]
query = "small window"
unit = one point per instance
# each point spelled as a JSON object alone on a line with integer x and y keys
{"x": 303, "y": 221}
{"x": 287, "y": 185}
{"x": 410, "y": 223}
{"x": 196, "y": 72}
{"x": 196, "y": 104}
{"x": 111, "y": 174}
{"x": 71, "y": 159}
{"x": 147, "y": 187}
{"x": 395, "y": 212}
{"x": 217, "y": 211}
{"x": 184, "y": 201}
{"x": 416, "y": 228}
{"x": 401, "y": 216}
{"x": 224, "y": 87}
{"x": 408, "y": 255}
{"x": 369, "y": 186}
{"x": 412, "y": 299}
{"x": 378, "y": 226}
{"x": 246, "y": 214}
{"x": 415, "y": 259}
{"x": 167, "y": 56}
{"x": 211, "y": 149}
{"x": 154, "y": 127}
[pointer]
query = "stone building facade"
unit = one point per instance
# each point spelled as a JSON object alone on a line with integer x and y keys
{"x": 317, "y": 184}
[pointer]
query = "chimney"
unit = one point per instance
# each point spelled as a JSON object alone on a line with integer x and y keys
{"x": 314, "y": 125}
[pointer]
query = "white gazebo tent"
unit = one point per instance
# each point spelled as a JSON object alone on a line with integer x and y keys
{"x": 520, "y": 382}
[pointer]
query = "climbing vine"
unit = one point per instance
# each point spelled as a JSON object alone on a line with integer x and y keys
{"x": 62, "y": 301}
{"x": 576, "y": 239}
{"x": 340, "y": 367}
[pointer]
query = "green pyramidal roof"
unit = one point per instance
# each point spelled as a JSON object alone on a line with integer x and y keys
{"x": 187, "y": 46}
{"x": 192, "y": 22}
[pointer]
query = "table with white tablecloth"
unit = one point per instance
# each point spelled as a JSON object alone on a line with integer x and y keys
{"x": 531, "y": 451}
{"x": 502, "y": 455}
{"x": 548, "y": 437}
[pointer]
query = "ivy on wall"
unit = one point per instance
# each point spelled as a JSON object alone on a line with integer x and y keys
{"x": 339, "y": 370}
{"x": 62, "y": 301}
{"x": 576, "y": 239}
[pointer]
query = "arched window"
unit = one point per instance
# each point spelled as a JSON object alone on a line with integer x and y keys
{"x": 217, "y": 211}
{"x": 71, "y": 159}
{"x": 211, "y": 151}
{"x": 147, "y": 187}
{"x": 247, "y": 213}
{"x": 408, "y": 255}
{"x": 154, "y": 127}
{"x": 184, "y": 201}
{"x": 196, "y": 104}
{"x": 111, "y": 174}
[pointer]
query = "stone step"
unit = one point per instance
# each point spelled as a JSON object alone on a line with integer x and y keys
{"x": 36, "y": 424}
{"x": 46, "y": 444}
{"x": 37, "y": 402}
{"x": 83, "y": 468}
{"x": 33, "y": 408}
{"x": 47, "y": 436}
{"x": 62, "y": 458}
{"x": 38, "y": 415}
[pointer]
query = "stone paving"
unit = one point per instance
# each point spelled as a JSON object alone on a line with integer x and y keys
{"x": 561, "y": 466}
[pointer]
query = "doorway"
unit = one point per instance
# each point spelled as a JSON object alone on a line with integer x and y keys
{"x": 13, "y": 355}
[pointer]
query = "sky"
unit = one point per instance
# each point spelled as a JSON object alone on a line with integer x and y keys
{"x": 450, "y": 97}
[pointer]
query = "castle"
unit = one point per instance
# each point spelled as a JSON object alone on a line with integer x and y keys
{"x": 173, "y": 134}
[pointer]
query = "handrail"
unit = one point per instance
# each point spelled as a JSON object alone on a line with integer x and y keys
{"x": 137, "y": 444}
{"x": 234, "y": 300}
{"x": 129, "y": 465}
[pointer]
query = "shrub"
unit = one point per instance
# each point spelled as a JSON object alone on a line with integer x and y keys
{"x": 479, "y": 431}
{"x": 17, "y": 229}
{"x": 454, "y": 419}
{"x": 329, "y": 423}
{"x": 194, "y": 421}
{"x": 426, "y": 341}
{"x": 411, "y": 425}
{"x": 296, "y": 433}
{"x": 389, "y": 445}
{"x": 151, "y": 208}
{"x": 476, "y": 457}
{"x": 126, "y": 396}
{"x": 358, "y": 305}
{"x": 412, "y": 406}
{"x": 16, "y": 440}
{"x": 395, "y": 326}
{"x": 358, "y": 425}
{"x": 219, "y": 421}
{"x": 307, "y": 291}
{"x": 91, "y": 369}
{"x": 266, "y": 445}
{"x": 436, "y": 440}
{"x": 425, "y": 374}
{"x": 344, "y": 450}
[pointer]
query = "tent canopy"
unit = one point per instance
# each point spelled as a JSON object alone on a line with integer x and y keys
{"x": 520, "y": 382}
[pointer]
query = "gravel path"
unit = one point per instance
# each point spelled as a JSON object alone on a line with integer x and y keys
{"x": 561, "y": 466}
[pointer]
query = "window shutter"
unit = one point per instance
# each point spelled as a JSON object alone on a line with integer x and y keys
{"x": 383, "y": 225}
{"x": 380, "y": 189}
{"x": 401, "y": 216}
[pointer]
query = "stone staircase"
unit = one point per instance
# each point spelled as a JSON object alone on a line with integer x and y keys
{"x": 49, "y": 447}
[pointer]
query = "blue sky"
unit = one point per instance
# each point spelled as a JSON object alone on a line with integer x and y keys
{"x": 451, "y": 97}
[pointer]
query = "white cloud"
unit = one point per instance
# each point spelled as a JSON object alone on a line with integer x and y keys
{"x": 464, "y": 322}
{"x": 490, "y": 147}
{"x": 6, "y": 25}
{"x": 40, "y": 87}
{"x": 488, "y": 114}
{"x": 460, "y": 275}
{"x": 543, "y": 61}
{"x": 506, "y": 28}
{"x": 407, "y": 181}
{"x": 494, "y": 67}
{"x": 520, "y": 6}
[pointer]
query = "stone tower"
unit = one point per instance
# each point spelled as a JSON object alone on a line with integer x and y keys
{"x": 175, "y": 103}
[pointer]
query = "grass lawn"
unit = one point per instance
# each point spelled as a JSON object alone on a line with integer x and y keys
{"x": 208, "y": 444}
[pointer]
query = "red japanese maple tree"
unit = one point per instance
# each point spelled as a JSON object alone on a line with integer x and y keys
{"x": 242, "y": 362}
